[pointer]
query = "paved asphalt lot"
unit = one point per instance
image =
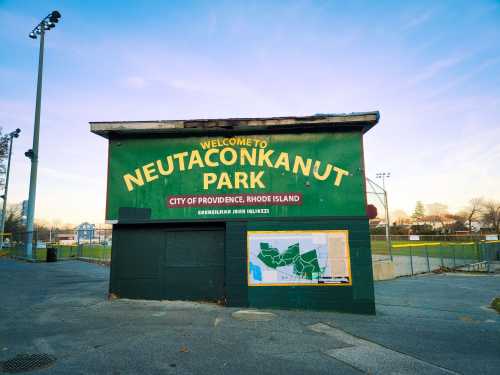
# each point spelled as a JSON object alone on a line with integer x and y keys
{"x": 433, "y": 324}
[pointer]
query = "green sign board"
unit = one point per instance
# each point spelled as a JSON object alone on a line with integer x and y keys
{"x": 244, "y": 176}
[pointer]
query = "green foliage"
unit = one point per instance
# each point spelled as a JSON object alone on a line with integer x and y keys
{"x": 399, "y": 230}
{"x": 419, "y": 212}
{"x": 495, "y": 304}
{"x": 423, "y": 229}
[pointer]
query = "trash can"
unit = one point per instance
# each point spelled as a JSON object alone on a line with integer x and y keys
{"x": 51, "y": 254}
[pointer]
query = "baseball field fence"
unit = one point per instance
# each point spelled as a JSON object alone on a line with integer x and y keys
{"x": 434, "y": 253}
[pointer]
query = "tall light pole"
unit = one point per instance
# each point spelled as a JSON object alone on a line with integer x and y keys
{"x": 45, "y": 24}
{"x": 383, "y": 176}
{"x": 11, "y": 136}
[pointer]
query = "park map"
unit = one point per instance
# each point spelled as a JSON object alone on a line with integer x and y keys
{"x": 304, "y": 265}
{"x": 292, "y": 258}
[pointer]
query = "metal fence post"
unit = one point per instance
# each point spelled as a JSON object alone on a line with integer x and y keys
{"x": 454, "y": 260}
{"x": 411, "y": 261}
{"x": 79, "y": 248}
{"x": 465, "y": 253}
{"x": 441, "y": 255}
{"x": 427, "y": 256}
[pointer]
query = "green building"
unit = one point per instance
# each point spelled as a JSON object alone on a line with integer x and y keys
{"x": 259, "y": 212}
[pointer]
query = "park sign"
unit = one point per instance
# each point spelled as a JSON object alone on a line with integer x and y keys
{"x": 250, "y": 212}
{"x": 240, "y": 176}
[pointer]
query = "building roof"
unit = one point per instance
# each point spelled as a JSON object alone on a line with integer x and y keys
{"x": 362, "y": 121}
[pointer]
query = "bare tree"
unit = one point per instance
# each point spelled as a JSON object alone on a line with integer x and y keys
{"x": 13, "y": 220}
{"x": 491, "y": 214}
{"x": 472, "y": 212}
{"x": 400, "y": 217}
{"x": 4, "y": 150}
{"x": 437, "y": 213}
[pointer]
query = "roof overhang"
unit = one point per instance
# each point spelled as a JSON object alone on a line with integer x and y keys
{"x": 361, "y": 121}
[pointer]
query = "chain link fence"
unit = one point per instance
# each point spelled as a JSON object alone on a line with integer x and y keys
{"x": 92, "y": 244}
{"x": 412, "y": 256}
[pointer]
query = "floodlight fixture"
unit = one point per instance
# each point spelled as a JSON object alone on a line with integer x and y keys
{"x": 383, "y": 175}
{"x": 15, "y": 133}
{"x": 47, "y": 23}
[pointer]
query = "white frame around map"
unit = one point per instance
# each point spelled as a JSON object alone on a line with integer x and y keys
{"x": 330, "y": 239}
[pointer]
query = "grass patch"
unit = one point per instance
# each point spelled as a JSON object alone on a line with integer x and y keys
{"x": 433, "y": 249}
{"x": 96, "y": 252}
{"x": 495, "y": 304}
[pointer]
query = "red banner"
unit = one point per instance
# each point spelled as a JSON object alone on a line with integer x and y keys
{"x": 216, "y": 200}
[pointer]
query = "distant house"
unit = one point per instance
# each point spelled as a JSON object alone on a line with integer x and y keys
{"x": 475, "y": 226}
{"x": 85, "y": 232}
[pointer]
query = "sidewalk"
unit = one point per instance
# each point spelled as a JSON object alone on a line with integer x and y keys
{"x": 426, "y": 324}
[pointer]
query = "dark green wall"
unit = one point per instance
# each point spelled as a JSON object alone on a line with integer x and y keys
{"x": 356, "y": 298}
{"x": 135, "y": 266}
{"x": 137, "y": 254}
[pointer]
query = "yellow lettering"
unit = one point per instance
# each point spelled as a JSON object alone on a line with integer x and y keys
{"x": 240, "y": 141}
{"x": 224, "y": 180}
{"x": 283, "y": 161}
{"x": 205, "y": 145}
{"x": 325, "y": 174}
{"x": 244, "y": 154}
{"x": 195, "y": 158}
{"x": 340, "y": 174}
{"x": 255, "y": 180}
{"x": 223, "y": 158}
{"x": 162, "y": 171}
{"x": 240, "y": 178}
{"x": 208, "y": 178}
{"x": 209, "y": 162}
{"x": 264, "y": 157}
{"x": 148, "y": 170}
{"x": 299, "y": 163}
{"x": 137, "y": 179}
{"x": 181, "y": 156}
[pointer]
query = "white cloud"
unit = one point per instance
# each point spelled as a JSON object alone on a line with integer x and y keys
{"x": 418, "y": 20}
{"x": 434, "y": 69}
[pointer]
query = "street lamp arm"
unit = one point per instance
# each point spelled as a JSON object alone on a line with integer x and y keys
{"x": 374, "y": 183}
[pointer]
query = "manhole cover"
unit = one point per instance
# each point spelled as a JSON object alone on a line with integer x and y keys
{"x": 27, "y": 362}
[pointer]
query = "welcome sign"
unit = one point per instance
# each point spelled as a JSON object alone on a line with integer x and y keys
{"x": 292, "y": 175}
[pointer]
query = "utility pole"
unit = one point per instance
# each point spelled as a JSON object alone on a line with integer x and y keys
{"x": 11, "y": 136}
{"x": 45, "y": 24}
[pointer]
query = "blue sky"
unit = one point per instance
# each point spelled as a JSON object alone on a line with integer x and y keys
{"x": 431, "y": 68}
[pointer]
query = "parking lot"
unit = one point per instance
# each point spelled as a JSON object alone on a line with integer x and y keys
{"x": 425, "y": 324}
